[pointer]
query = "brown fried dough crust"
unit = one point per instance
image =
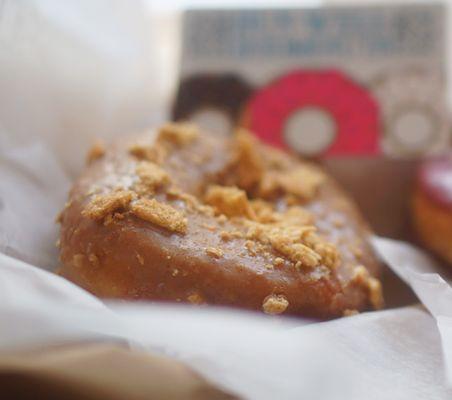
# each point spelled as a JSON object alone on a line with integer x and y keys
{"x": 180, "y": 215}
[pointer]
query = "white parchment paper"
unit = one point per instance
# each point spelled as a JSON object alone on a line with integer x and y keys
{"x": 71, "y": 71}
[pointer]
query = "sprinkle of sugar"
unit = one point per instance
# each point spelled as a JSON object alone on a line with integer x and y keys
{"x": 160, "y": 214}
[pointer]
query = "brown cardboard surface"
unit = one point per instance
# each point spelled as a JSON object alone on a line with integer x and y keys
{"x": 99, "y": 371}
{"x": 382, "y": 187}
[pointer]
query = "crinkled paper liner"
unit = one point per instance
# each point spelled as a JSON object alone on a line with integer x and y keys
{"x": 63, "y": 83}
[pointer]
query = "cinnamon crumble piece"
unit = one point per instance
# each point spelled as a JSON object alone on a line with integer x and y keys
{"x": 97, "y": 151}
{"x": 214, "y": 252}
{"x": 78, "y": 260}
{"x": 93, "y": 259}
{"x": 211, "y": 228}
{"x": 251, "y": 247}
{"x": 297, "y": 252}
{"x": 59, "y": 217}
{"x": 195, "y": 298}
{"x": 278, "y": 261}
{"x": 297, "y": 242}
{"x": 229, "y": 235}
{"x": 222, "y": 219}
{"x": 375, "y": 293}
{"x": 146, "y": 151}
{"x": 302, "y": 182}
{"x": 362, "y": 277}
{"x": 104, "y": 204}
{"x": 356, "y": 251}
{"x": 110, "y": 218}
{"x": 349, "y": 313}
{"x": 328, "y": 252}
{"x": 140, "y": 258}
{"x": 151, "y": 175}
{"x": 249, "y": 163}
{"x": 229, "y": 201}
{"x": 179, "y": 134}
{"x": 160, "y": 214}
{"x": 275, "y": 304}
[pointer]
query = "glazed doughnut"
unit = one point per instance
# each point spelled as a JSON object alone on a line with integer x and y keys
{"x": 432, "y": 206}
{"x": 180, "y": 215}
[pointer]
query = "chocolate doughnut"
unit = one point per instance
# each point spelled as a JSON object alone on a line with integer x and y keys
{"x": 180, "y": 215}
{"x": 225, "y": 93}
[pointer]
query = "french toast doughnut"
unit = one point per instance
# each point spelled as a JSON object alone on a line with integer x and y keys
{"x": 180, "y": 215}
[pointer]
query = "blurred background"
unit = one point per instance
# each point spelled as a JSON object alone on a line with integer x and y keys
{"x": 359, "y": 86}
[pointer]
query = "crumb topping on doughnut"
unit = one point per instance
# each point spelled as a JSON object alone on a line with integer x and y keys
{"x": 140, "y": 258}
{"x": 195, "y": 298}
{"x": 362, "y": 278}
{"x": 160, "y": 214}
{"x": 296, "y": 241}
{"x": 105, "y": 204}
{"x": 349, "y": 313}
{"x": 251, "y": 216}
{"x": 273, "y": 176}
{"x": 301, "y": 182}
{"x": 250, "y": 166}
{"x": 229, "y": 235}
{"x": 179, "y": 134}
{"x": 110, "y": 218}
{"x": 151, "y": 175}
{"x": 289, "y": 233}
{"x": 146, "y": 151}
{"x": 275, "y": 304}
{"x": 78, "y": 260}
{"x": 278, "y": 261}
{"x": 214, "y": 252}
{"x": 97, "y": 151}
{"x": 230, "y": 201}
